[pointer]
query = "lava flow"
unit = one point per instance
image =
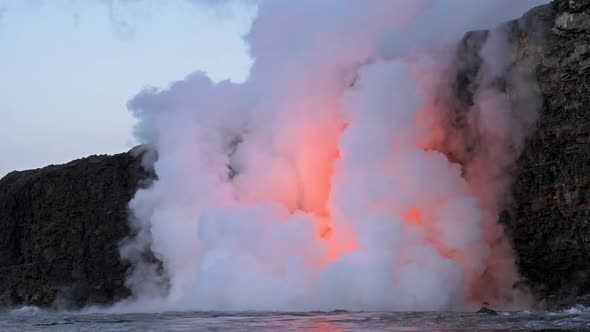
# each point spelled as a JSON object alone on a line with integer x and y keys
{"x": 320, "y": 182}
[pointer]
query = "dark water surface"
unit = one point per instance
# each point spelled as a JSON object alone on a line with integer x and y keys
{"x": 31, "y": 319}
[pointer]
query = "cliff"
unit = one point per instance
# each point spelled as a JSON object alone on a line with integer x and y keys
{"x": 548, "y": 215}
{"x": 61, "y": 225}
{"x": 551, "y": 219}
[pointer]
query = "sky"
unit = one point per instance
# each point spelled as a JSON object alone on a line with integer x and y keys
{"x": 68, "y": 68}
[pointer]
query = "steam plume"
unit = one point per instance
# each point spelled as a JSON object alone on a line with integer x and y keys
{"x": 319, "y": 184}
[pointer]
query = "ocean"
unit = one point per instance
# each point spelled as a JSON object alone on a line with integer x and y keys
{"x": 33, "y": 319}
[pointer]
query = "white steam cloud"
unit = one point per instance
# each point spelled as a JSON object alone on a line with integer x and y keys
{"x": 315, "y": 184}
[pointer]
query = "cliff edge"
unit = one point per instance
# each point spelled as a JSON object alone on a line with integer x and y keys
{"x": 61, "y": 227}
{"x": 547, "y": 213}
{"x": 551, "y": 216}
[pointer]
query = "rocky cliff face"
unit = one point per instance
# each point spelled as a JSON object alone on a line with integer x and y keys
{"x": 61, "y": 226}
{"x": 551, "y": 216}
{"x": 548, "y": 216}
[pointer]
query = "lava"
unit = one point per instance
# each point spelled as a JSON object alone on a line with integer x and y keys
{"x": 413, "y": 217}
{"x": 341, "y": 195}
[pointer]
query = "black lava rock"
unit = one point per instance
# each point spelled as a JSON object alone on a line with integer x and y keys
{"x": 61, "y": 227}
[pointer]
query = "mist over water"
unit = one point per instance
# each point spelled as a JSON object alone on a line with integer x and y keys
{"x": 319, "y": 183}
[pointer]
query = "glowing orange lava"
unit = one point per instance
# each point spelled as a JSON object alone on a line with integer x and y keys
{"x": 315, "y": 151}
{"x": 327, "y": 232}
{"x": 413, "y": 217}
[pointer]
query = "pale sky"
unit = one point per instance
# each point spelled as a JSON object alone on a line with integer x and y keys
{"x": 68, "y": 68}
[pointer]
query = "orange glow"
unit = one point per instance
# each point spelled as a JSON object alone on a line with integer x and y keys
{"x": 327, "y": 233}
{"x": 314, "y": 151}
{"x": 416, "y": 218}
{"x": 340, "y": 246}
{"x": 413, "y": 217}
{"x": 338, "y": 241}
{"x": 325, "y": 327}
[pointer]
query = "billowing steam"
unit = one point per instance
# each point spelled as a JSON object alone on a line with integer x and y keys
{"x": 322, "y": 181}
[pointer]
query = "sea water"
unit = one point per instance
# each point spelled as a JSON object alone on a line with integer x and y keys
{"x": 33, "y": 319}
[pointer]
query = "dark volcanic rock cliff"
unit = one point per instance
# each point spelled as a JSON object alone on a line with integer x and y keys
{"x": 61, "y": 226}
{"x": 548, "y": 216}
{"x": 551, "y": 229}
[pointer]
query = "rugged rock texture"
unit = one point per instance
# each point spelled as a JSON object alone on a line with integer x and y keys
{"x": 549, "y": 215}
{"x": 551, "y": 228}
{"x": 61, "y": 226}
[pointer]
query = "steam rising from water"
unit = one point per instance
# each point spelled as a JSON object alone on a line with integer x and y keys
{"x": 318, "y": 183}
